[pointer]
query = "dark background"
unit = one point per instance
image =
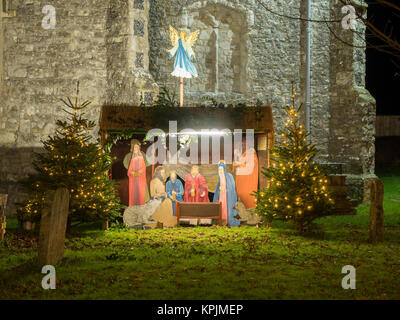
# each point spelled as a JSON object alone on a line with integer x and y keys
{"x": 383, "y": 82}
{"x": 383, "y": 70}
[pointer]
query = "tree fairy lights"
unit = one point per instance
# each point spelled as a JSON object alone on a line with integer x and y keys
{"x": 72, "y": 161}
{"x": 297, "y": 188}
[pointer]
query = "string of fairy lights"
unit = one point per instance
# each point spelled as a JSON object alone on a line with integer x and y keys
{"x": 295, "y": 183}
{"x": 70, "y": 160}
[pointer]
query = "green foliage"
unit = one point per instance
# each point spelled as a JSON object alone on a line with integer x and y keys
{"x": 298, "y": 189}
{"x": 168, "y": 105}
{"x": 72, "y": 161}
{"x": 114, "y": 137}
{"x": 213, "y": 263}
{"x": 166, "y": 99}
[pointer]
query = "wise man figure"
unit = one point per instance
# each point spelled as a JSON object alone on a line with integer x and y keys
{"x": 174, "y": 189}
{"x": 137, "y": 175}
{"x": 246, "y": 175}
{"x": 225, "y": 192}
{"x": 196, "y": 189}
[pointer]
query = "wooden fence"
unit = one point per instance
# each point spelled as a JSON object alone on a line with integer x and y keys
{"x": 388, "y": 126}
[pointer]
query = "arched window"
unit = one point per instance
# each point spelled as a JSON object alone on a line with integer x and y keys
{"x": 222, "y": 46}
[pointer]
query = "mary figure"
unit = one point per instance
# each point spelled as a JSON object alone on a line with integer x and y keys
{"x": 225, "y": 192}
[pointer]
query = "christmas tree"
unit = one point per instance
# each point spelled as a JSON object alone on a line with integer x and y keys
{"x": 297, "y": 188}
{"x": 72, "y": 161}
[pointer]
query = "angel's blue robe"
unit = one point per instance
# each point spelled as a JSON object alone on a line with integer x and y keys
{"x": 178, "y": 188}
{"x": 231, "y": 197}
{"x": 183, "y": 66}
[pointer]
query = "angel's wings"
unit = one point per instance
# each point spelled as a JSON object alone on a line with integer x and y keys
{"x": 174, "y": 35}
{"x": 191, "y": 39}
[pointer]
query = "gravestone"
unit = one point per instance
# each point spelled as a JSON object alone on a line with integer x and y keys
{"x": 376, "y": 226}
{"x": 53, "y": 226}
{"x": 3, "y": 204}
{"x": 343, "y": 205}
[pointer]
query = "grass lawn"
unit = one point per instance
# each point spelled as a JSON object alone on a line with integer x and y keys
{"x": 213, "y": 262}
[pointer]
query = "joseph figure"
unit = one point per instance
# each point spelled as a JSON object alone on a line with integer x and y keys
{"x": 157, "y": 184}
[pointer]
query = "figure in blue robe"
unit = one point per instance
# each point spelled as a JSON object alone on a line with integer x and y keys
{"x": 182, "y": 47}
{"x": 226, "y": 193}
{"x": 174, "y": 190}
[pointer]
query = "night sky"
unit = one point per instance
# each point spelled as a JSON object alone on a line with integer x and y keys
{"x": 383, "y": 70}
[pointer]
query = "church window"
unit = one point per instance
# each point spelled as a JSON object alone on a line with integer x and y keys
{"x": 139, "y": 28}
{"x": 138, "y": 4}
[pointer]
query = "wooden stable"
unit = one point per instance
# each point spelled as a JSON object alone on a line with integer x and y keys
{"x": 122, "y": 119}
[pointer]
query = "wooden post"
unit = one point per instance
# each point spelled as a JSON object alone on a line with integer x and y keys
{"x": 262, "y": 154}
{"x": 3, "y": 224}
{"x": 53, "y": 226}
{"x": 181, "y": 92}
{"x": 103, "y": 137}
{"x": 376, "y": 226}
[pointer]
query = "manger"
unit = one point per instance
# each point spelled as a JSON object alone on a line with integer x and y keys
{"x": 199, "y": 210}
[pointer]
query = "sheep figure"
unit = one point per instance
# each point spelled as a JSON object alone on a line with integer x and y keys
{"x": 247, "y": 216}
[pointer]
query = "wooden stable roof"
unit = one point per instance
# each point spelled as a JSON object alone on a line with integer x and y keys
{"x": 142, "y": 119}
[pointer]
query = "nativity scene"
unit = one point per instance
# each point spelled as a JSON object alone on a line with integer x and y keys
{"x": 154, "y": 203}
{"x": 161, "y": 193}
{"x": 229, "y": 179}
{"x": 178, "y": 133}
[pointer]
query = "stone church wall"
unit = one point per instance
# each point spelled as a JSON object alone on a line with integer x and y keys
{"x": 40, "y": 67}
{"x": 117, "y": 50}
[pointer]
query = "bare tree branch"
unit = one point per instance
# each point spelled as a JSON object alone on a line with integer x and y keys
{"x": 390, "y": 45}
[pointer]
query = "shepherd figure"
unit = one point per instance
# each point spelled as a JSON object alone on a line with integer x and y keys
{"x": 182, "y": 47}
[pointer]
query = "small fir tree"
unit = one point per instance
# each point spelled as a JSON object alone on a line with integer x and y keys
{"x": 298, "y": 187}
{"x": 72, "y": 161}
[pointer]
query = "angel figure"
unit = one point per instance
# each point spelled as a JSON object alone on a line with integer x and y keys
{"x": 183, "y": 66}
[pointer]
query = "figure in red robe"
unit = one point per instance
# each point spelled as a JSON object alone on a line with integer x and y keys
{"x": 196, "y": 189}
{"x": 137, "y": 177}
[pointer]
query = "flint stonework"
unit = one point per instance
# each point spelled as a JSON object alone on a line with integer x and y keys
{"x": 244, "y": 53}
